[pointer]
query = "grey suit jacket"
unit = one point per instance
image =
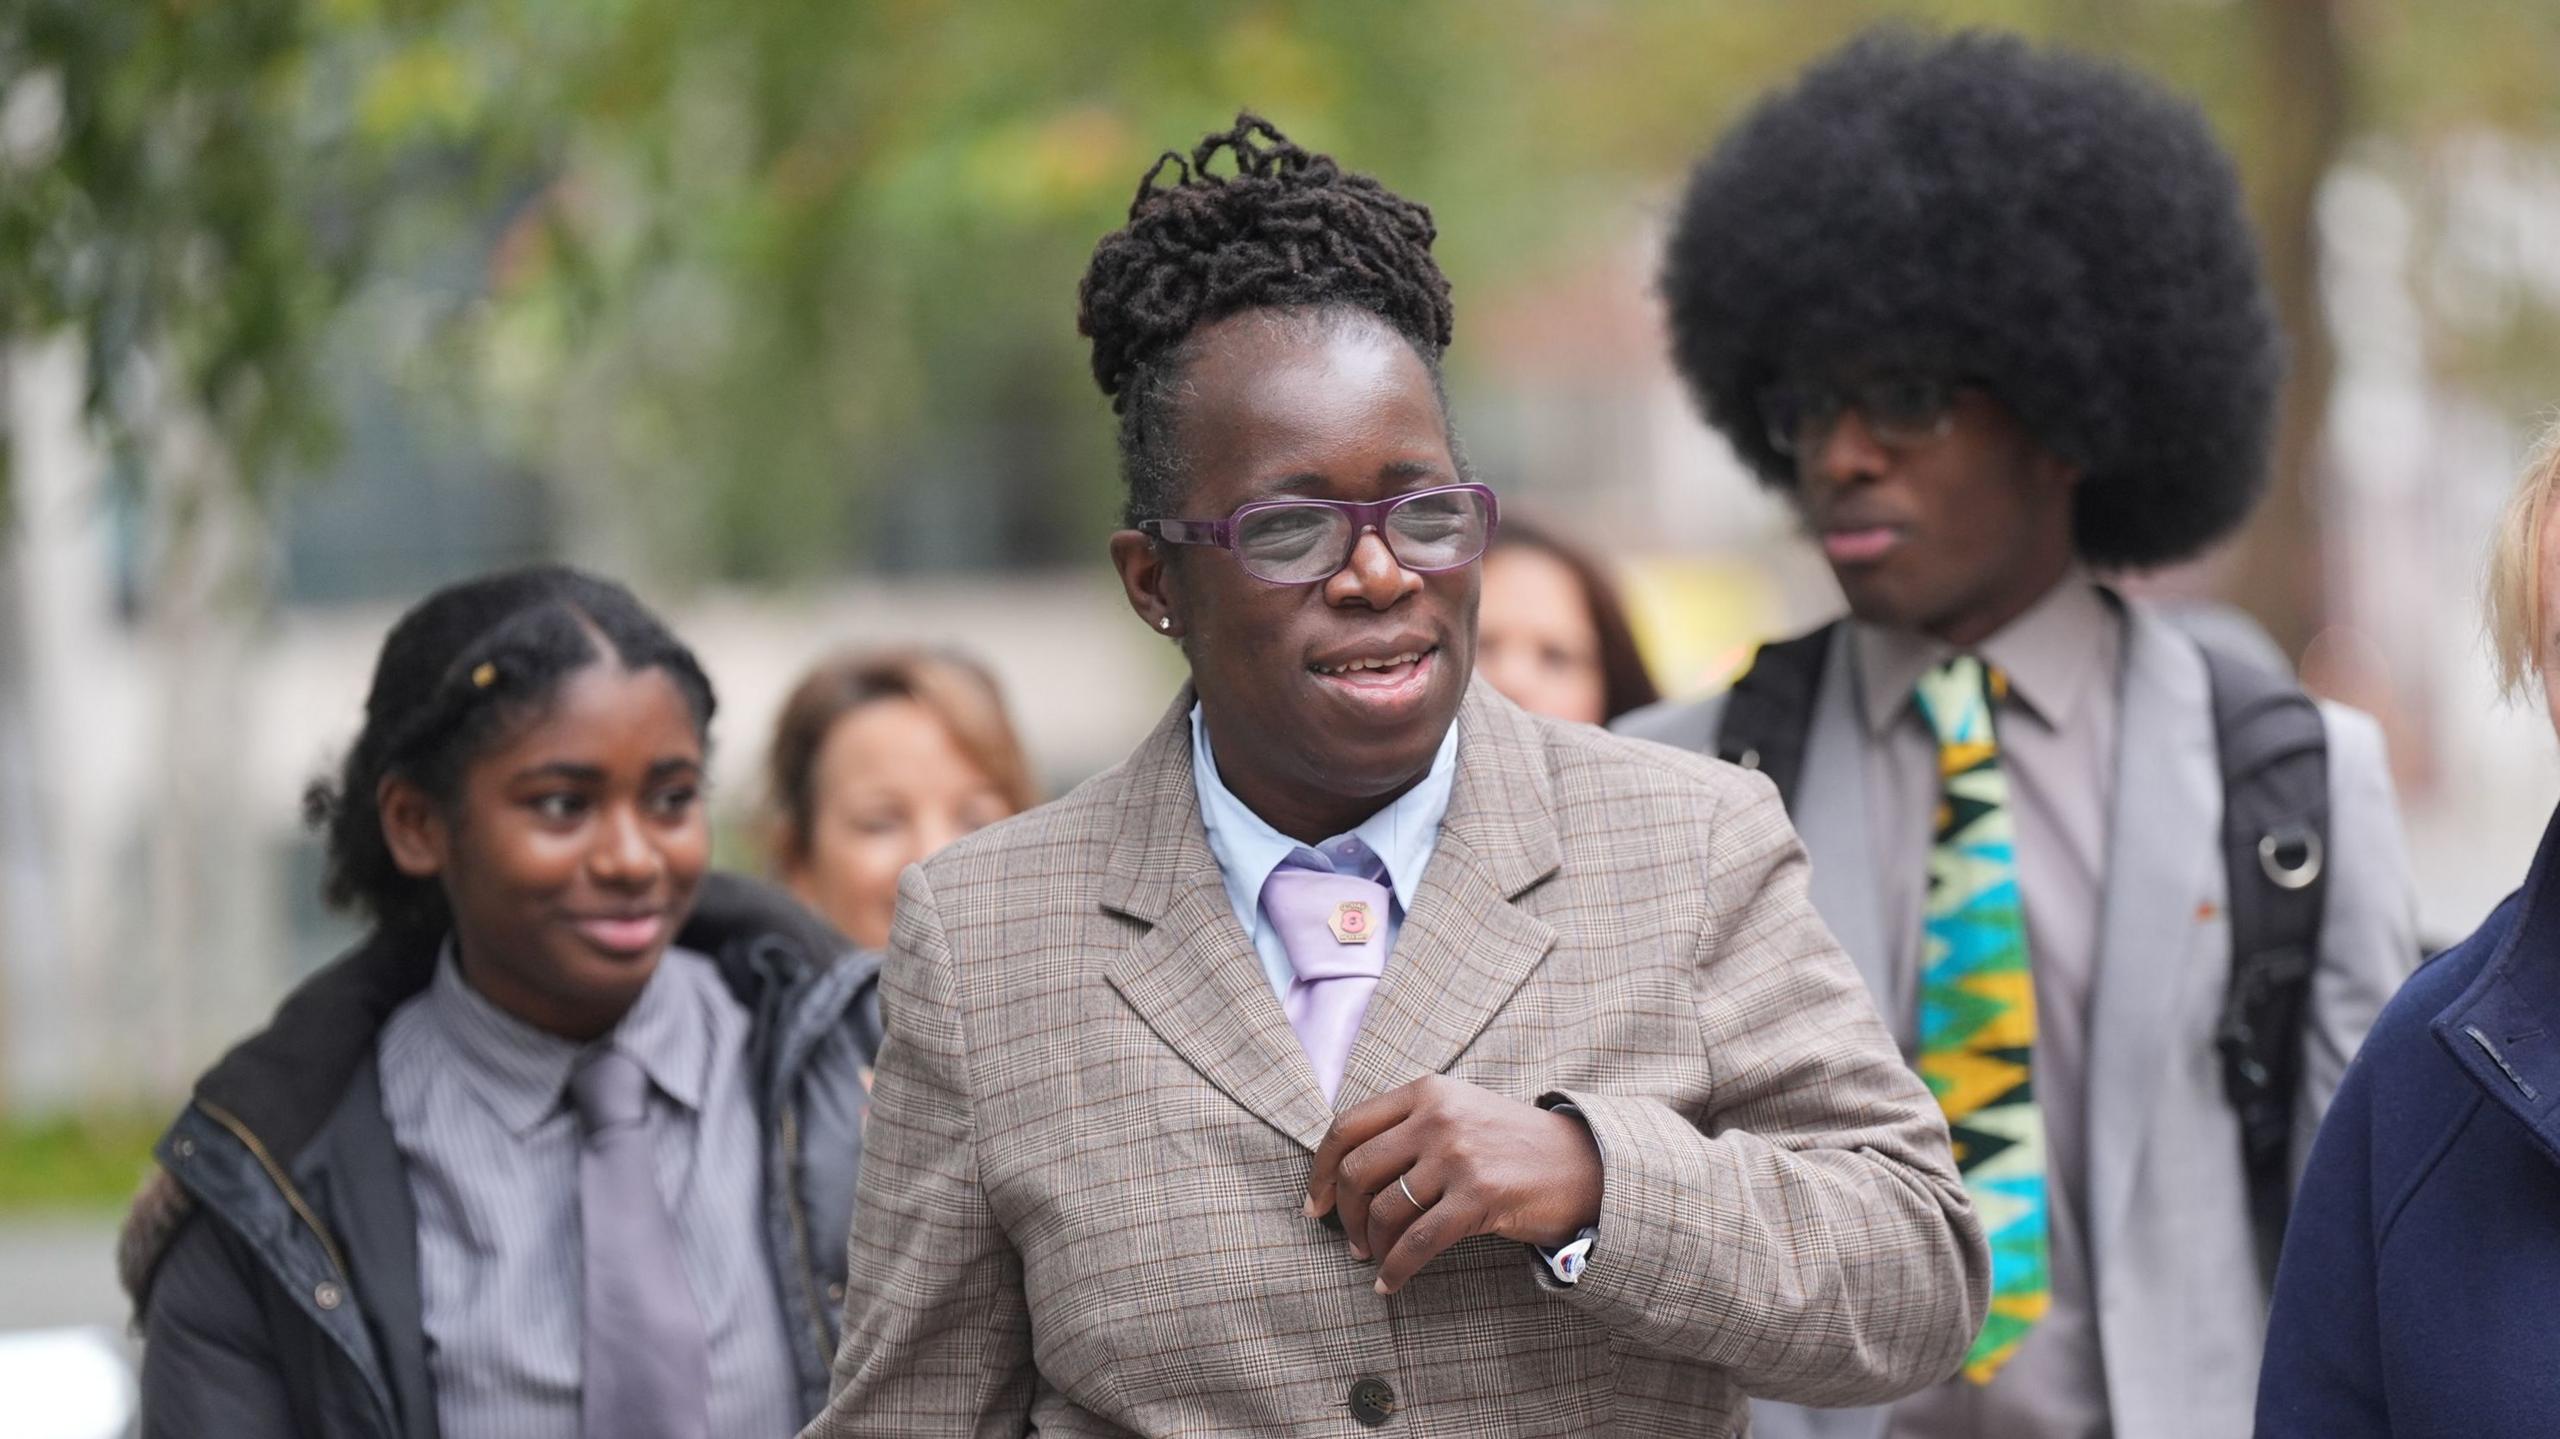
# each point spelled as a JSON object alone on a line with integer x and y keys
{"x": 2181, "y": 1314}
{"x": 1079, "y": 1205}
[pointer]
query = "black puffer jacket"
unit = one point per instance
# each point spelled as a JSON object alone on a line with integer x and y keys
{"x": 273, "y": 1259}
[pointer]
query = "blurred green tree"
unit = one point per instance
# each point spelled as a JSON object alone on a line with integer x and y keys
{"x": 177, "y": 189}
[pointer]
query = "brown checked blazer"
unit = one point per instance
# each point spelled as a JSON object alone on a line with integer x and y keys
{"x": 1079, "y": 1206}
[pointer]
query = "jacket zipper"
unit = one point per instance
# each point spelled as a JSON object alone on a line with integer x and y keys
{"x": 302, "y": 1210}
{"x": 275, "y": 1173}
{"x": 800, "y": 1235}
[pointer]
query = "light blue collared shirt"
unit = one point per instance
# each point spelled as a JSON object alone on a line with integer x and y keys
{"x": 1402, "y": 836}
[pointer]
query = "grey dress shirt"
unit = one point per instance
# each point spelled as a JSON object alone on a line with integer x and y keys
{"x": 2057, "y": 737}
{"x": 477, "y": 1101}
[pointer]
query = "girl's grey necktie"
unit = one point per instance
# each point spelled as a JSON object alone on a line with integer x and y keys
{"x": 648, "y": 1364}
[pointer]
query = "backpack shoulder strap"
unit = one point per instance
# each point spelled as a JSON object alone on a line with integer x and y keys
{"x": 1769, "y": 711}
{"x": 2275, "y": 829}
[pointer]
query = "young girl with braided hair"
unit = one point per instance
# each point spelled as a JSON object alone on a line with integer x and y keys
{"x": 549, "y": 1151}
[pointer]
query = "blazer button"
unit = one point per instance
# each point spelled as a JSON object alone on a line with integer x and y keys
{"x": 327, "y": 1295}
{"x": 1372, "y": 1402}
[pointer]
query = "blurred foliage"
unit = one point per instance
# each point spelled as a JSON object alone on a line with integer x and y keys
{"x": 176, "y": 186}
{"x": 760, "y": 272}
{"x": 91, "y": 1162}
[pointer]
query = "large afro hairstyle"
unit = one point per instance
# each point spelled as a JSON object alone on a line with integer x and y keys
{"x": 2060, "y": 231}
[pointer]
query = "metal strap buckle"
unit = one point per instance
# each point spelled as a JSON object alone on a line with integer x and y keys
{"x": 2291, "y": 858}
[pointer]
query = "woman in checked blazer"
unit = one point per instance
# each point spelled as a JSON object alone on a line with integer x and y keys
{"x": 1364, "y": 1051}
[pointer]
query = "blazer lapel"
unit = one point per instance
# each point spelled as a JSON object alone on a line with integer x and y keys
{"x": 2162, "y": 851}
{"x": 1465, "y": 948}
{"x": 1193, "y": 975}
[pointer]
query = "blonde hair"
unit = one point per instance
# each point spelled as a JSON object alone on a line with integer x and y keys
{"x": 2515, "y": 621}
{"x": 957, "y": 691}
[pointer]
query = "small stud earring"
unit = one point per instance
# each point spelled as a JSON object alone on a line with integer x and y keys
{"x": 1165, "y": 623}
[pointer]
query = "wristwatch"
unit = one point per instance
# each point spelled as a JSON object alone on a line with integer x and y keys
{"x": 1566, "y": 1262}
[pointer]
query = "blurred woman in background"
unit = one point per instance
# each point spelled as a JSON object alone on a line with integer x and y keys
{"x": 878, "y": 760}
{"x": 2420, "y": 1285}
{"x": 1553, "y": 635}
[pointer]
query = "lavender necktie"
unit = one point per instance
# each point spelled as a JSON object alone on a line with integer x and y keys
{"x": 648, "y": 1373}
{"x": 1334, "y": 928}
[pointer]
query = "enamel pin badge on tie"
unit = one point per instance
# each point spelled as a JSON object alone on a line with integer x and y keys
{"x": 1350, "y": 922}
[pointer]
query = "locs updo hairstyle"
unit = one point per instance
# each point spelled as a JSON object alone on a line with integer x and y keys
{"x": 2060, "y": 231}
{"x": 1290, "y": 229}
{"x": 470, "y": 662}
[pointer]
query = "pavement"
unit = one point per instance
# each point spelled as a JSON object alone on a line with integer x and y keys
{"x": 66, "y": 1360}
{"x": 59, "y": 1272}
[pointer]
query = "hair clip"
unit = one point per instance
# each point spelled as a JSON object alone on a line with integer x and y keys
{"x": 485, "y": 676}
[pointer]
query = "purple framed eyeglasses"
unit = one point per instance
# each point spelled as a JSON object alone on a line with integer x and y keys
{"x": 1302, "y": 542}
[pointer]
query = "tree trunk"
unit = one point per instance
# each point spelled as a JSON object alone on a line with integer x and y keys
{"x": 57, "y": 845}
{"x": 14, "y": 798}
{"x": 202, "y": 969}
{"x": 2278, "y": 570}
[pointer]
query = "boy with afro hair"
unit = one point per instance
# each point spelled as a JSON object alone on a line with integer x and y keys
{"x": 1992, "y": 317}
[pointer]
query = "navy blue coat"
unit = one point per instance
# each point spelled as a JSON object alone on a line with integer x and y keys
{"x": 2420, "y": 1289}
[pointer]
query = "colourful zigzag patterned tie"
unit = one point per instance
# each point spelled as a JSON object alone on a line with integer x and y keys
{"x": 1978, "y": 1004}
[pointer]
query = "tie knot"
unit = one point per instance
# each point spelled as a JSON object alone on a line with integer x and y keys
{"x": 1349, "y": 855}
{"x": 1332, "y": 925}
{"x": 1955, "y": 699}
{"x": 609, "y": 1088}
